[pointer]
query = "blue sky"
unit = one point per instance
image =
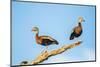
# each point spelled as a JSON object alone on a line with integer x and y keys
{"x": 53, "y": 20}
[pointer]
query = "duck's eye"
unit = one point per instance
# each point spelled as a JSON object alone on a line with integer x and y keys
{"x": 34, "y": 30}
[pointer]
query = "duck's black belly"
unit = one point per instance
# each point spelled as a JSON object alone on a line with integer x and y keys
{"x": 46, "y": 42}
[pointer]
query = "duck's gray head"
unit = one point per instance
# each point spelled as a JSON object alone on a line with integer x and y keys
{"x": 35, "y": 30}
{"x": 81, "y": 19}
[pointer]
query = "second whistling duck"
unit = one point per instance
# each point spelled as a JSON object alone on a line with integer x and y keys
{"x": 77, "y": 31}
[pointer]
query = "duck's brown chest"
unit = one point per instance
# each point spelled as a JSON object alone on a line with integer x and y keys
{"x": 38, "y": 40}
{"x": 78, "y": 30}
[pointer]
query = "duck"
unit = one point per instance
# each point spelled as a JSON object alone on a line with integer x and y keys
{"x": 43, "y": 40}
{"x": 77, "y": 31}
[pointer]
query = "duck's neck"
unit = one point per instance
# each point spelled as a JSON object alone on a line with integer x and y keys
{"x": 37, "y": 37}
{"x": 79, "y": 24}
{"x": 37, "y": 34}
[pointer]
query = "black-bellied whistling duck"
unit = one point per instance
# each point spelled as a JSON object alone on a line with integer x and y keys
{"x": 43, "y": 40}
{"x": 77, "y": 31}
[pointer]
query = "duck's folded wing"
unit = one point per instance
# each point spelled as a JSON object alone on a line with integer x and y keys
{"x": 72, "y": 36}
{"x": 47, "y": 37}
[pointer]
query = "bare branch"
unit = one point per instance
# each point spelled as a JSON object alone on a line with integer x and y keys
{"x": 45, "y": 55}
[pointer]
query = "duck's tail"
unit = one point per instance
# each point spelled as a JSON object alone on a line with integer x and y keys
{"x": 72, "y": 36}
{"x": 55, "y": 42}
